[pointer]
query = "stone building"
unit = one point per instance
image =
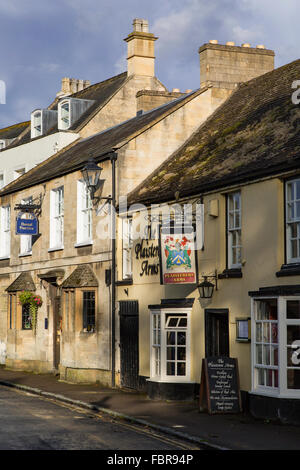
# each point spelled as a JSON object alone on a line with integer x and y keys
{"x": 243, "y": 165}
{"x": 68, "y": 263}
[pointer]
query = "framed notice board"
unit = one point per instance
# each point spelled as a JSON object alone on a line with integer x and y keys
{"x": 220, "y": 386}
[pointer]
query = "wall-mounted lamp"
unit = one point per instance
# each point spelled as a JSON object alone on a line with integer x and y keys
{"x": 206, "y": 288}
{"x": 91, "y": 174}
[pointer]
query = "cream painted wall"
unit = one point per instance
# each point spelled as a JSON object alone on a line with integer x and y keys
{"x": 31, "y": 154}
{"x": 263, "y": 254}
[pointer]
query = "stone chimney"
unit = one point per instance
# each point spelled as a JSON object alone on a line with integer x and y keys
{"x": 224, "y": 66}
{"x": 71, "y": 85}
{"x": 140, "y": 55}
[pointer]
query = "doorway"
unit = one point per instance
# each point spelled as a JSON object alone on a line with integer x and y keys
{"x": 216, "y": 332}
{"x": 129, "y": 343}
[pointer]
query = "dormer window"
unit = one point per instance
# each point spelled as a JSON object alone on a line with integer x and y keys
{"x": 70, "y": 110}
{"x": 65, "y": 115}
{"x": 37, "y": 124}
{"x": 41, "y": 121}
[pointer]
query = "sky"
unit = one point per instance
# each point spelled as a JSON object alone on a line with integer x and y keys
{"x": 42, "y": 41}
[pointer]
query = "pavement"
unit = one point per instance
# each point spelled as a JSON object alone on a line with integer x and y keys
{"x": 180, "y": 419}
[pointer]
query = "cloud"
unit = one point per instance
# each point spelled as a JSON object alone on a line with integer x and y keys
{"x": 43, "y": 41}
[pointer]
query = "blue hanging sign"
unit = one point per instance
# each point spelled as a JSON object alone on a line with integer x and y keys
{"x": 27, "y": 226}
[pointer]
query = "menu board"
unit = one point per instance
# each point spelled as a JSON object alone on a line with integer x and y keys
{"x": 220, "y": 388}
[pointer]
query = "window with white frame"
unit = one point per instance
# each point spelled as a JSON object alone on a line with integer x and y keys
{"x": 276, "y": 347}
{"x": 170, "y": 346}
{"x": 36, "y": 124}
{"x": 57, "y": 218}
{"x": 293, "y": 221}
{"x": 26, "y": 240}
{"x": 234, "y": 232}
{"x": 64, "y": 114}
{"x": 127, "y": 248}
{"x": 84, "y": 214}
{"x": 5, "y": 232}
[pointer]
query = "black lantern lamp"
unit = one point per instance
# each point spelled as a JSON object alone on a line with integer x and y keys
{"x": 91, "y": 174}
{"x": 206, "y": 288}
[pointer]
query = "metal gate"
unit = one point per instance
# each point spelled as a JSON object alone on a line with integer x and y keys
{"x": 129, "y": 343}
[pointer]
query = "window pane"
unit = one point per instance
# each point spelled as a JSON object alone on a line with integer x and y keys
{"x": 269, "y": 377}
{"x": 181, "y": 338}
{"x": 293, "y": 333}
{"x": 274, "y": 333}
{"x": 274, "y": 355}
{"x": 267, "y": 309}
{"x": 266, "y": 350}
{"x": 266, "y": 332}
{"x": 171, "y": 337}
{"x": 293, "y": 356}
{"x": 89, "y": 310}
{"x": 259, "y": 354}
{"x": 180, "y": 368}
{"x": 259, "y": 332}
{"x": 181, "y": 354}
{"x": 293, "y": 309}
{"x": 293, "y": 378}
{"x": 26, "y": 317}
{"x": 170, "y": 368}
{"x": 261, "y": 376}
{"x": 297, "y": 184}
{"x": 171, "y": 354}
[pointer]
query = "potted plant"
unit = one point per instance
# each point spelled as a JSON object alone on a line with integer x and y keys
{"x": 34, "y": 301}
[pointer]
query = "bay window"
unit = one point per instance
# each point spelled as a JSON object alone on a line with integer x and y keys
{"x": 276, "y": 346}
{"x": 234, "y": 233}
{"x": 170, "y": 345}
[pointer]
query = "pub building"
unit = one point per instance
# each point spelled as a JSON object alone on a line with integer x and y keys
{"x": 238, "y": 294}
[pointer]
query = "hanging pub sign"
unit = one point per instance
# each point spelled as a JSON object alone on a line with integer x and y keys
{"x": 177, "y": 255}
{"x": 26, "y": 224}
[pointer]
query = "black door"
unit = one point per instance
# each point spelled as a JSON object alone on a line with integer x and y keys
{"x": 129, "y": 343}
{"x": 216, "y": 332}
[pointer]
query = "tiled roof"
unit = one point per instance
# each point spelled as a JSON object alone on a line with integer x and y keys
{"x": 255, "y": 133}
{"x": 13, "y": 131}
{"x": 82, "y": 276}
{"x": 99, "y": 92}
{"x": 23, "y": 282}
{"x": 98, "y": 146}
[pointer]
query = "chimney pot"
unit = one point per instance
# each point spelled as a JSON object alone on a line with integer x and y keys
{"x": 230, "y": 43}
{"x": 140, "y": 25}
{"x": 213, "y": 41}
{"x": 175, "y": 90}
{"x": 188, "y": 90}
{"x": 260, "y": 46}
{"x": 246, "y": 44}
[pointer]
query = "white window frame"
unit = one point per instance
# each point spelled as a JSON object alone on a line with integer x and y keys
{"x": 5, "y": 232}
{"x": 64, "y": 117}
{"x": 282, "y": 391}
{"x": 127, "y": 244}
{"x": 291, "y": 204}
{"x": 84, "y": 214}
{"x": 56, "y": 228}
{"x": 234, "y": 229}
{"x": 26, "y": 240}
{"x": 36, "y": 124}
{"x": 158, "y": 346}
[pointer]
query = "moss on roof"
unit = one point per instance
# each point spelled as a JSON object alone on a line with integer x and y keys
{"x": 11, "y": 132}
{"x": 255, "y": 132}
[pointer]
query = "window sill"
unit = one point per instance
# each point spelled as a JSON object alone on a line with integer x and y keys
{"x": 170, "y": 380}
{"x": 81, "y": 244}
{"x": 85, "y": 332}
{"x": 124, "y": 282}
{"x": 4, "y": 257}
{"x": 234, "y": 273}
{"x": 55, "y": 248}
{"x": 21, "y": 255}
{"x": 292, "y": 269}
